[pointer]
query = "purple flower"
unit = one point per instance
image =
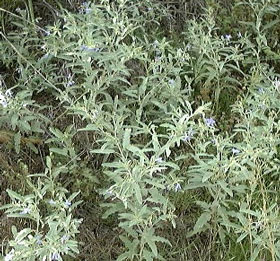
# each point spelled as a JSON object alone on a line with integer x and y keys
{"x": 177, "y": 187}
{"x": 70, "y": 83}
{"x": 85, "y": 8}
{"x": 228, "y": 37}
{"x": 88, "y": 10}
{"x": 64, "y": 239}
{"x": 188, "y": 136}
{"x": 109, "y": 192}
{"x": 214, "y": 141}
{"x": 25, "y": 211}
{"x": 210, "y": 122}
{"x": 159, "y": 160}
{"x": 38, "y": 239}
{"x": 46, "y": 56}
{"x": 156, "y": 43}
{"x": 83, "y": 47}
{"x": 235, "y": 151}
{"x": 55, "y": 256}
{"x": 96, "y": 49}
{"x": 171, "y": 82}
{"x": 67, "y": 203}
{"x": 89, "y": 49}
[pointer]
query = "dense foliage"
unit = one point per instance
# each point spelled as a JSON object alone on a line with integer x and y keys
{"x": 116, "y": 121}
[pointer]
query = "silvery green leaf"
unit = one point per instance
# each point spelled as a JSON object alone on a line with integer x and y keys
{"x": 15, "y": 195}
{"x": 207, "y": 175}
{"x": 59, "y": 151}
{"x": 224, "y": 186}
{"x": 202, "y": 221}
{"x": 103, "y": 151}
{"x": 17, "y": 140}
{"x": 138, "y": 194}
{"x": 126, "y": 138}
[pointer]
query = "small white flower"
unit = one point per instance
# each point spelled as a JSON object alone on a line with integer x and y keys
{"x": 239, "y": 35}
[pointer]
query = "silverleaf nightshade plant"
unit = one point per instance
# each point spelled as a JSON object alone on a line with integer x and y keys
{"x": 52, "y": 233}
{"x": 129, "y": 94}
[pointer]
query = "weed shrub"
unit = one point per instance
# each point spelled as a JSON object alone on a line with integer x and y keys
{"x": 156, "y": 119}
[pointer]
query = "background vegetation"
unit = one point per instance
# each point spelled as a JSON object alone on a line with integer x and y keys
{"x": 139, "y": 130}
